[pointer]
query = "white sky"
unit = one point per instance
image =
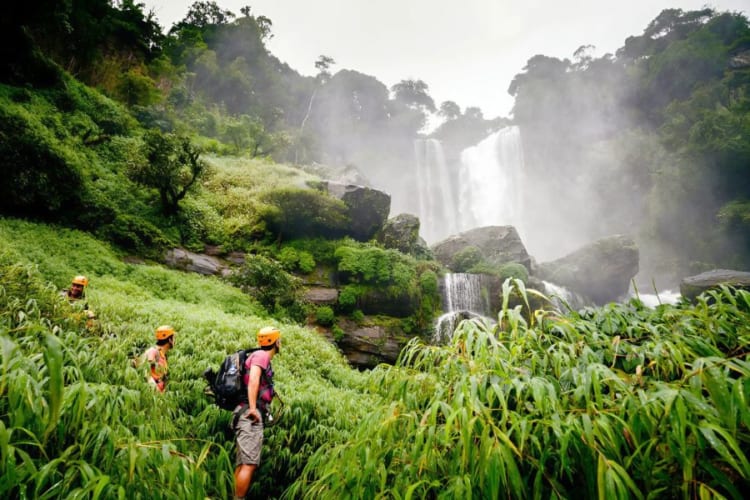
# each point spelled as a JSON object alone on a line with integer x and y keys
{"x": 467, "y": 51}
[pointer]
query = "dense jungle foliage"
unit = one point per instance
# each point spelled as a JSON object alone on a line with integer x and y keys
{"x": 119, "y": 140}
{"x": 616, "y": 402}
{"x": 654, "y": 137}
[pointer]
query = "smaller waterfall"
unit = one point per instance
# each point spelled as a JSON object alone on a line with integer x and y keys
{"x": 463, "y": 298}
{"x": 463, "y": 292}
{"x": 664, "y": 297}
{"x": 562, "y": 298}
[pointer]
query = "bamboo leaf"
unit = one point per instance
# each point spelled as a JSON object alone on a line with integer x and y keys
{"x": 53, "y": 359}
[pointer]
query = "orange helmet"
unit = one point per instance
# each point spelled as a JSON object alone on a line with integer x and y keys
{"x": 268, "y": 335}
{"x": 80, "y": 280}
{"x": 164, "y": 332}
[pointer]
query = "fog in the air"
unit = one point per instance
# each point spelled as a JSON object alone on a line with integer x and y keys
{"x": 539, "y": 115}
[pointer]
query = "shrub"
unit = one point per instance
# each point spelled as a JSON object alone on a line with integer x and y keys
{"x": 38, "y": 178}
{"x": 306, "y": 263}
{"x": 358, "y": 316}
{"x": 338, "y": 333}
{"x": 324, "y": 315}
{"x": 267, "y": 281}
{"x": 296, "y": 260}
{"x": 367, "y": 264}
{"x": 199, "y": 223}
{"x": 303, "y": 213}
{"x": 513, "y": 270}
{"x": 349, "y": 296}
{"x": 465, "y": 258}
{"x": 429, "y": 302}
{"x": 136, "y": 235}
{"x": 320, "y": 249}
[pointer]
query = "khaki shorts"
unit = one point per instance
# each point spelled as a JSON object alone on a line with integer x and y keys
{"x": 249, "y": 437}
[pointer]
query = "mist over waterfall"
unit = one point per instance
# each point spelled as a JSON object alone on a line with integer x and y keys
{"x": 437, "y": 210}
{"x": 483, "y": 189}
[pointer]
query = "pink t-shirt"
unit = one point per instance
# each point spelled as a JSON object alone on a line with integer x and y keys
{"x": 263, "y": 359}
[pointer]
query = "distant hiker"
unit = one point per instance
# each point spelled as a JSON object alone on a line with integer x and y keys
{"x": 247, "y": 421}
{"x": 76, "y": 295}
{"x": 156, "y": 357}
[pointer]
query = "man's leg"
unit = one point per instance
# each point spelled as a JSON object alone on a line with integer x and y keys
{"x": 243, "y": 476}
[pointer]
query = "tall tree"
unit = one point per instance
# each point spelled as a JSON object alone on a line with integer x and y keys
{"x": 171, "y": 165}
{"x": 414, "y": 93}
{"x": 449, "y": 110}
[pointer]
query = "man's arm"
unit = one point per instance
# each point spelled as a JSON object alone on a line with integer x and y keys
{"x": 253, "y": 386}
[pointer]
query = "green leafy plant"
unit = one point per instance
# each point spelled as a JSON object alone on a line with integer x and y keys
{"x": 620, "y": 401}
{"x": 171, "y": 165}
{"x": 324, "y": 315}
{"x": 465, "y": 258}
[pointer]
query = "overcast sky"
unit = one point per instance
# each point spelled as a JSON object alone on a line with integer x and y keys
{"x": 467, "y": 51}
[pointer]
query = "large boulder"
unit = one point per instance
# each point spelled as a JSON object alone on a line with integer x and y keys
{"x": 600, "y": 271}
{"x": 179, "y": 258}
{"x": 693, "y": 286}
{"x": 367, "y": 208}
{"x": 402, "y": 233}
{"x": 497, "y": 245}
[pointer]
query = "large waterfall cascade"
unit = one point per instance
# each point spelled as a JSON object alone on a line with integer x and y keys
{"x": 485, "y": 189}
{"x": 437, "y": 201}
{"x": 490, "y": 188}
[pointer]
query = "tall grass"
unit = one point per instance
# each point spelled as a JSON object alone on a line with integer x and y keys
{"x": 77, "y": 418}
{"x": 615, "y": 402}
{"x": 621, "y": 401}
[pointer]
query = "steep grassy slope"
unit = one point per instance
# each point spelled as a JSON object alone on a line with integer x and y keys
{"x": 76, "y": 416}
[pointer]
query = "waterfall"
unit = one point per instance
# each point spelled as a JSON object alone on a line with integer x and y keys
{"x": 438, "y": 210}
{"x": 654, "y": 300}
{"x": 490, "y": 189}
{"x": 483, "y": 190}
{"x": 463, "y": 298}
{"x": 463, "y": 292}
{"x": 562, "y": 298}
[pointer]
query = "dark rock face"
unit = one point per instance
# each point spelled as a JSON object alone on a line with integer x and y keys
{"x": 321, "y": 295}
{"x": 368, "y": 208}
{"x": 375, "y": 301}
{"x": 497, "y": 245}
{"x": 401, "y": 233}
{"x": 600, "y": 271}
{"x": 366, "y": 346}
{"x": 693, "y": 286}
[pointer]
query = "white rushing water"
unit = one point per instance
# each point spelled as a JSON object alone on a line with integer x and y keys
{"x": 490, "y": 185}
{"x": 655, "y": 299}
{"x": 437, "y": 202}
{"x": 485, "y": 189}
{"x": 463, "y": 298}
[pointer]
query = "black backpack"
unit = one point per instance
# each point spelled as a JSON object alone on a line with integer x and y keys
{"x": 227, "y": 386}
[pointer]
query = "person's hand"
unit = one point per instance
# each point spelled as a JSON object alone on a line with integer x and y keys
{"x": 253, "y": 414}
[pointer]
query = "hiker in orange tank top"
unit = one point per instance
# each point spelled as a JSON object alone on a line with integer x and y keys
{"x": 156, "y": 358}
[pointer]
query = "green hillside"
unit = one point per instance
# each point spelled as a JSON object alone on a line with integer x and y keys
{"x": 119, "y": 142}
{"x": 79, "y": 419}
{"x": 621, "y": 401}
